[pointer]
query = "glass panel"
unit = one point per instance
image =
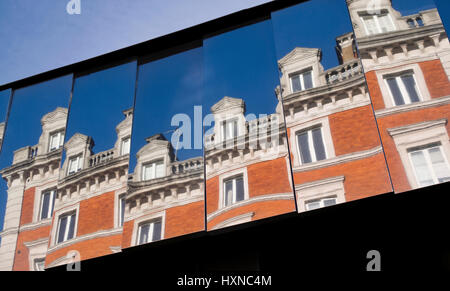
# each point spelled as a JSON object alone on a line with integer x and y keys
{"x": 156, "y": 231}
{"x": 143, "y": 237}
{"x": 160, "y": 169}
{"x": 319, "y": 147}
{"x": 422, "y": 171}
{"x": 62, "y": 228}
{"x": 329, "y": 202}
{"x": 303, "y": 143}
{"x": 71, "y": 232}
{"x": 228, "y": 193}
{"x": 312, "y": 205}
{"x": 240, "y": 78}
{"x": 53, "y": 197}
{"x": 296, "y": 83}
{"x": 411, "y": 88}
{"x": 370, "y": 24}
{"x": 122, "y": 211}
{"x": 395, "y": 91}
{"x": 439, "y": 165}
{"x": 385, "y": 23}
{"x": 307, "y": 79}
{"x": 240, "y": 189}
{"x": 45, "y": 205}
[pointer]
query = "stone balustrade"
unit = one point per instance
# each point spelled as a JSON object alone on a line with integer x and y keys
{"x": 101, "y": 158}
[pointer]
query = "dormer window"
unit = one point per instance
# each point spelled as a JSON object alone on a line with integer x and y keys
{"x": 125, "y": 146}
{"x": 153, "y": 170}
{"x": 229, "y": 129}
{"x": 56, "y": 141}
{"x": 74, "y": 165}
{"x": 377, "y": 23}
{"x": 302, "y": 81}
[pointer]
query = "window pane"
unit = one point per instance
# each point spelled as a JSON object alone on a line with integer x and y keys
{"x": 62, "y": 228}
{"x": 71, "y": 227}
{"x": 305, "y": 154}
{"x": 395, "y": 91}
{"x": 296, "y": 84}
{"x": 312, "y": 205}
{"x": 228, "y": 192}
{"x": 156, "y": 231}
{"x": 329, "y": 202}
{"x": 240, "y": 189}
{"x": 422, "y": 171}
{"x": 122, "y": 210}
{"x": 52, "y": 201}
{"x": 235, "y": 129}
{"x": 411, "y": 88}
{"x": 385, "y": 23}
{"x": 370, "y": 24}
{"x": 143, "y": 236}
{"x": 45, "y": 205}
{"x": 439, "y": 165}
{"x": 160, "y": 169}
{"x": 319, "y": 148}
{"x": 307, "y": 80}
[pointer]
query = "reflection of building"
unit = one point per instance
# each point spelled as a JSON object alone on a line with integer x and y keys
{"x": 407, "y": 64}
{"x": 32, "y": 183}
{"x": 165, "y": 196}
{"x": 335, "y": 148}
{"x": 51, "y": 212}
{"x": 247, "y": 166}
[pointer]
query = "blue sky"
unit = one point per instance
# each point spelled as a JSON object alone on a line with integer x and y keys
{"x": 242, "y": 64}
{"x": 97, "y": 104}
{"x": 4, "y": 102}
{"x": 167, "y": 87}
{"x": 37, "y": 36}
{"x": 29, "y": 105}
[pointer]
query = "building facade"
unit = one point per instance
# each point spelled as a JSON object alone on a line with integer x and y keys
{"x": 406, "y": 59}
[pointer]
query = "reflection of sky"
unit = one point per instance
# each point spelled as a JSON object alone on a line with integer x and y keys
{"x": 4, "y": 102}
{"x": 242, "y": 64}
{"x": 29, "y": 105}
{"x": 314, "y": 24}
{"x": 167, "y": 87}
{"x": 97, "y": 104}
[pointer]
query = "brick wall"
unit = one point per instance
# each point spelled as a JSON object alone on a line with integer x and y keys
{"x": 21, "y": 261}
{"x": 26, "y": 216}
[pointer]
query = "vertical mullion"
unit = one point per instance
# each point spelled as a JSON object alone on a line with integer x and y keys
{"x": 234, "y": 191}
{"x": 311, "y": 147}
{"x": 302, "y": 82}
{"x": 401, "y": 86}
{"x": 430, "y": 166}
{"x": 150, "y": 232}
{"x": 66, "y": 230}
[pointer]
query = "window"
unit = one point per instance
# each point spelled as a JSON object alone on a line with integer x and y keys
{"x": 378, "y": 23}
{"x": 47, "y": 204}
{"x": 153, "y": 170}
{"x": 302, "y": 81}
{"x": 314, "y": 204}
{"x": 403, "y": 88}
{"x": 311, "y": 147}
{"x": 229, "y": 129}
{"x": 56, "y": 141}
{"x": 121, "y": 209}
{"x": 149, "y": 231}
{"x": 66, "y": 227}
{"x": 430, "y": 165}
{"x": 74, "y": 165}
{"x": 233, "y": 190}
{"x": 39, "y": 264}
{"x": 125, "y": 147}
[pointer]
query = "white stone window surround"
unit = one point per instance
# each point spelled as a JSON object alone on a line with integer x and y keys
{"x": 60, "y": 213}
{"x": 300, "y": 73}
{"x": 326, "y": 137}
{"x": 153, "y": 163}
{"x": 77, "y": 161}
{"x": 321, "y": 202}
{"x": 59, "y": 136}
{"x": 240, "y": 219}
{"x": 125, "y": 145}
{"x": 419, "y": 135}
{"x": 424, "y": 94}
{"x": 320, "y": 189}
{"x": 376, "y": 18}
{"x": 37, "y": 250}
{"x": 39, "y": 264}
{"x": 147, "y": 218}
{"x": 39, "y": 191}
{"x": 226, "y": 176}
{"x": 428, "y": 160}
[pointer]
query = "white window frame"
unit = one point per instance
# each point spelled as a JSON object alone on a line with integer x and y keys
{"x": 312, "y": 150}
{"x": 227, "y": 176}
{"x": 78, "y": 161}
{"x": 321, "y": 202}
{"x": 60, "y": 136}
{"x": 153, "y": 164}
{"x": 50, "y": 209}
{"x": 326, "y": 137}
{"x": 120, "y": 220}
{"x": 402, "y": 87}
{"x": 150, "y": 230}
{"x": 233, "y": 179}
{"x": 123, "y": 147}
{"x": 424, "y": 150}
{"x": 419, "y": 135}
{"x": 36, "y": 263}
{"x": 377, "y": 22}
{"x": 141, "y": 220}
{"x": 66, "y": 233}
{"x": 224, "y": 123}
{"x": 415, "y": 70}
{"x": 302, "y": 82}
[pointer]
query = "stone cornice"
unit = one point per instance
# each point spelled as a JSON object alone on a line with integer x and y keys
{"x": 39, "y": 160}
{"x": 435, "y": 102}
{"x": 36, "y": 225}
{"x": 307, "y": 185}
{"x": 417, "y": 126}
